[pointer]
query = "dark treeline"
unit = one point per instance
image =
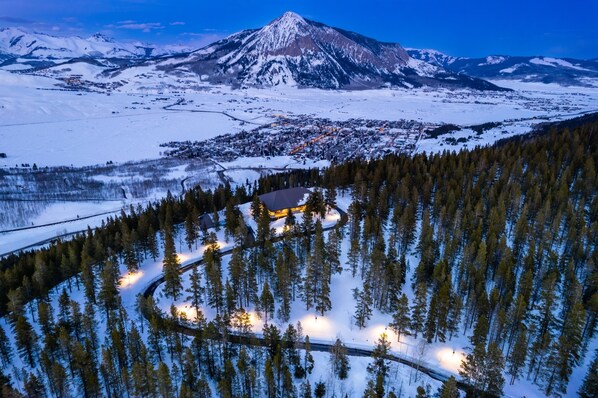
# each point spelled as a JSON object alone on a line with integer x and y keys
{"x": 507, "y": 247}
{"x": 505, "y": 240}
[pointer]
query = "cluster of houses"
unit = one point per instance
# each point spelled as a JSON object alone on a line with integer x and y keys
{"x": 308, "y": 137}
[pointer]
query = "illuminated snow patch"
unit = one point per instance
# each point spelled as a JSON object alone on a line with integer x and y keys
{"x": 130, "y": 279}
{"x": 450, "y": 359}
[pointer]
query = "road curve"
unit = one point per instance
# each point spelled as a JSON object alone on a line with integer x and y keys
{"x": 252, "y": 340}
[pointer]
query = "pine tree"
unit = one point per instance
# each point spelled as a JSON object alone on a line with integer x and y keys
{"x": 421, "y": 392}
{"x": 256, "y": 207}
{"x": 152, "y": 243}
{"x": 418, "y": 309}
{"x": 568, "y": 351}
{"x": 283, "y": 287}
{"x": 370, "y": 390}
{"x": 454, "y": 315}
{"x": 516, "y": 360}
{"x": 213, "y": 267}
{"x": 431, "y": 327}
{"x": 472, "y": 368}
{"x": 363, "y": 307}
{"x": 544, "y": 323}
{"x": 245, "y": 370}
{"x": 33, "y": 386}
{"x": 165, "y": 387}
{"x": 400, "y": 318}
{"x": 26, "y": 339}
{"x": 216, "y": 218}
{"x": 333, "y": 251}
{"x": 195, "y": 290}
{"x": 143, "y": 379}
{"x": 5, "y": 348}
{"x": 318, "y": 273}
{"x": 589, "y": 388}
{"x": 236, "y": 271}
{"x": 310, "y": 283}
{"x": 129, "y": 253}
{"x": 308, "y": 359}
{"x": 87, "y": 275}
{"x": 320, "y": 389}
{"x": 339, "y": 360}
{"x": 267, "y": 303}
{"x": 108, "y": 296}
{"x": 85, "y": 369}
{"x": 354, "y": 256}
{"x": 270, "y": 379}
{"x": 323, "y": 302}
{"x": 449, "y": 389}
{"x": 305, "y": 390}
{"x": 315, "y": 203}
{"x": 191, "y": 230}
{"x": 307, "y": 227}
{"x": 330, "y": 198}
{"x": 493, "y": 370}
{"x": 172, "y": 277}
{"x": 231, "y": 219}
{"x": 380, "y": 366}
{"x": 482, "y": 368}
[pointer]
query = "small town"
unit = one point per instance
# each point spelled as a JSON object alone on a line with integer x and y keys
{"x": 310, "y": 137}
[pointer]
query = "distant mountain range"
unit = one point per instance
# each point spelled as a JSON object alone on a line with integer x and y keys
{"x": 290, "y": 50}
{"x": 19, "y": 46}
{"x": 564, "y": 71}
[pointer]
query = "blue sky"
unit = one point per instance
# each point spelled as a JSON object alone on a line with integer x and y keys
{"x": 563, "y": 28}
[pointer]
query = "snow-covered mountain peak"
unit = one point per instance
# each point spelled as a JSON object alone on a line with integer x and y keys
{"x": 283, "y": 32}
{"x": 101, "y": 38}
{"x": 290, "y": 18}
{"x": 292, "y": 50}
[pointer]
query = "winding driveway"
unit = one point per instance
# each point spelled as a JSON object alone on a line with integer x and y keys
{"x": 252, "y": 340}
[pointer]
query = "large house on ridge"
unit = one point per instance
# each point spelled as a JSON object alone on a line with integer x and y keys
{"x": 278, "y": 203}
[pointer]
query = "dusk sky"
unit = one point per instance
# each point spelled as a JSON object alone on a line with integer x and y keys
{"x": 561, "y": 28}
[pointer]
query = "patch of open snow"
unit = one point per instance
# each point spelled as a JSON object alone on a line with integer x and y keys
{"x": 493, "y": 60}
{"x": 555, "y": 62}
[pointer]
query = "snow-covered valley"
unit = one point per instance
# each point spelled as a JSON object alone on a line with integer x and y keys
{"x": 107, "y": 144}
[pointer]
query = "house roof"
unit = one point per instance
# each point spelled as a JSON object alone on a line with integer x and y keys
{"x": 285, "y": 198}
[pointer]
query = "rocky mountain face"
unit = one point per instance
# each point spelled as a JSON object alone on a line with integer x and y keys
{"x": 564, "y": 71}
{"x": 295, "y": 51}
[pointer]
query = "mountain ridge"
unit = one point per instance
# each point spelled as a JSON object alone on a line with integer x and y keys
{"x": 538, "y": 68}
{"x": 18, "y": 43}
{"x": 292, "y": 50}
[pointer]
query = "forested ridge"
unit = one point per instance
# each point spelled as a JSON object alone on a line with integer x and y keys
{"x": 505, "y": 240}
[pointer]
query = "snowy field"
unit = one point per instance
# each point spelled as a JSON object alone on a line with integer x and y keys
{"x": 43, "y": 125}
{"x": 48, "y": 126}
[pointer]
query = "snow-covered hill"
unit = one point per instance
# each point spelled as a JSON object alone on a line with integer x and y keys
{"x": 564, "y": 71}
{"x": 292, "y": 50}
